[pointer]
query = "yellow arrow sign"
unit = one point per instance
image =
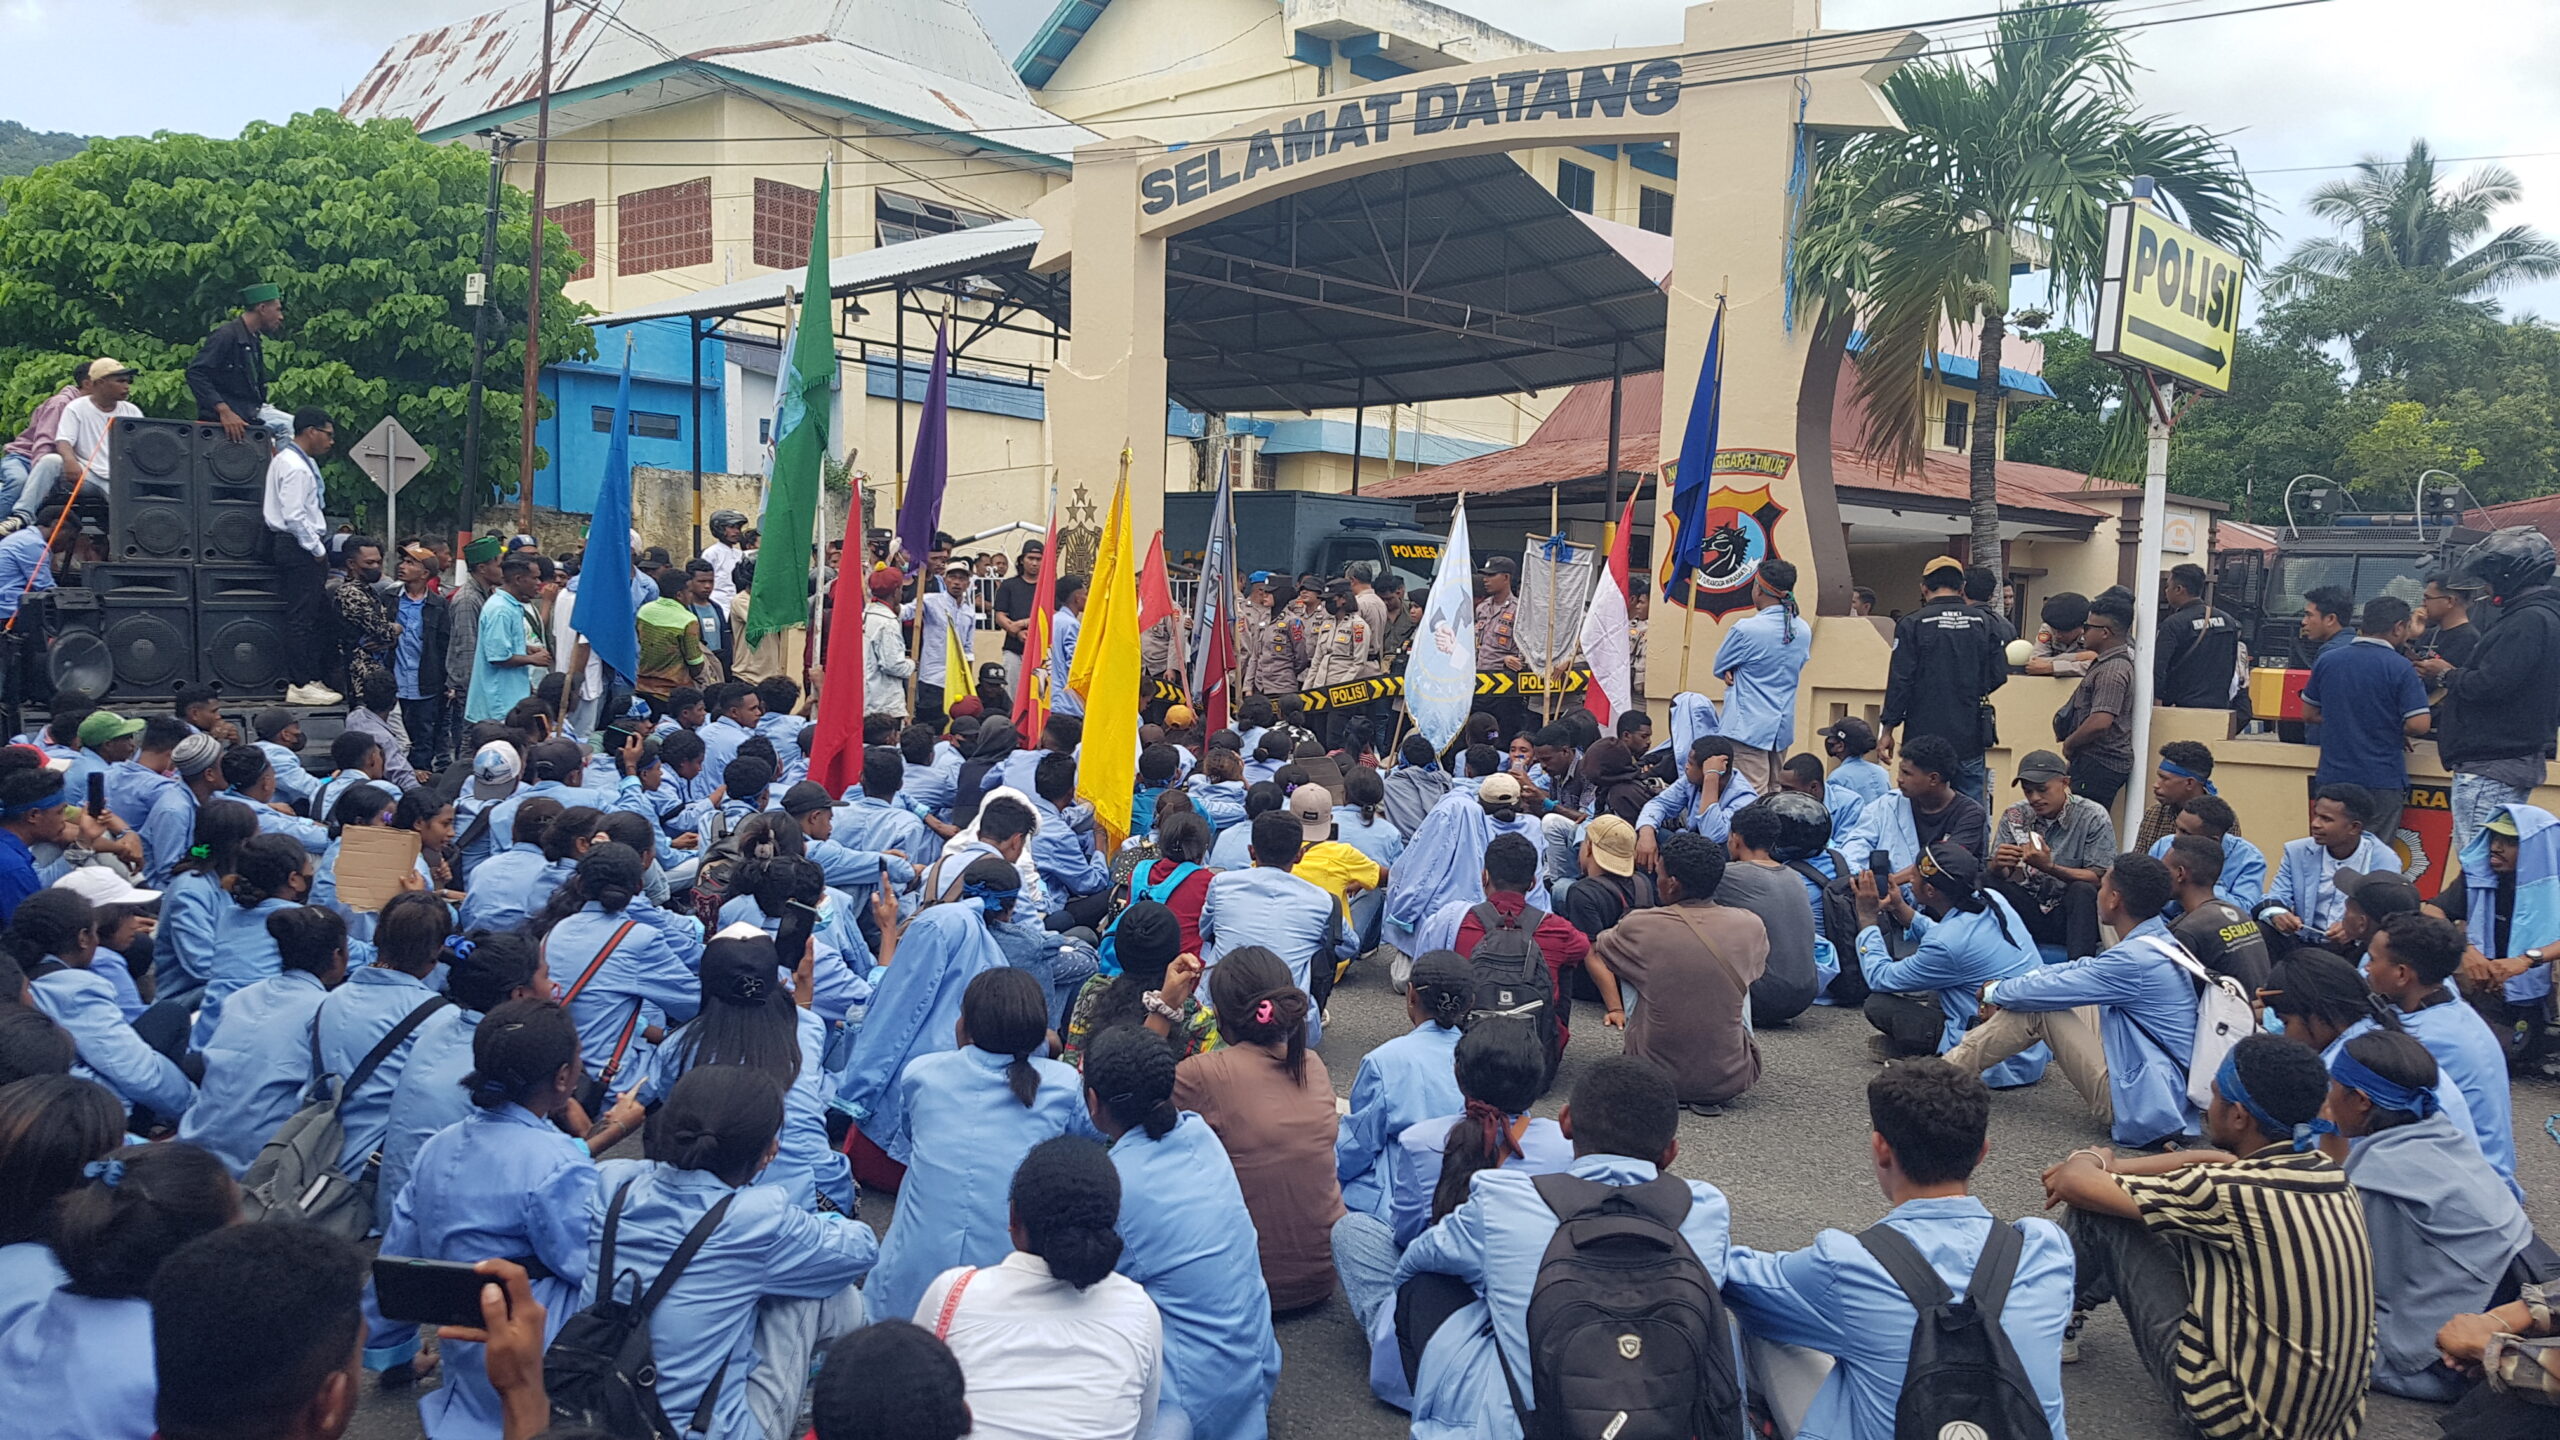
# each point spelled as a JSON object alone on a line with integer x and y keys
{"x": 2168, "y": 301}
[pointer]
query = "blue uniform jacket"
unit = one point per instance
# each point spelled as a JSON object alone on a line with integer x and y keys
{"x": 1190, "y": 1245}
{"x": 913, "y": 1011}
{"x": 805, "y": 1166}
{"x": 2244, "y": 870}
{"x": 1678, "y": 808}
{"x": 1956, "y": 957}
{"x": 355, "y": 1018}
{"x": 79, "y": 1368}
{"x": 84, "y": 1004}
{"x": 1409, "y": 1078}
{"x": 2147, "y": 1019}
{"x": 505, "y": 890}
{"x": 256, "y": 1069}
{"x": 429, "y": 1096}
{"x": 645, "y": 977}
{"x": 243, "y": 954}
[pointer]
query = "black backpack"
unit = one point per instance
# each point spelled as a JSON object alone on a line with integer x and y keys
{"x": 1963, "y": 1377}
{"x": 1839, "y": 926}
{"x": 601, "y": 1371}
{"x": 1628, "y": 1338}
{"x": 1512, "y": 977}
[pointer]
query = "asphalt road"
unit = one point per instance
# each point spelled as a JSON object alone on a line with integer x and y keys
{"x": 1791, "y": 1156}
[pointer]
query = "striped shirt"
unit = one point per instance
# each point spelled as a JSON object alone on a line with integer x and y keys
{"x": 2277, "y": 1340}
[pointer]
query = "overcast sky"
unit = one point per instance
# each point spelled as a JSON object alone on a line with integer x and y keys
{"x": 2319, "y": 86}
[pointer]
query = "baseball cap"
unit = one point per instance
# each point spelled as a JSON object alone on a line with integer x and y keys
{"x": 2380, "y": 894}
{"x": 1855, "y": 735}
{"x": 101, "y": 886}
{"x": 806, "y": 798}
{"x": 1034, "y": 547}
{"x": 1951, "y": 870}
{"x": 1337, "y": 587}
{"x": 2040, "y": 767}
{"x": 958, "y": 567}
{"x": 107, "y": 367}
{"x": 495, "y": 768}
{"x": 1499, "y": 565}
{"x": 196, "y": 754}
{"x": 1177, "y": 717}
{"x": 557, "y": 760}
{"x": 1312, "y": 807}
{"x": 885, "y": 582}
{"x": 2504, "y": 824}
{"x": 1499, "y": 790}
{"x": 103, "y": 726}
{"x": 419, "y": 553}
{"x": 1613, "y": 844}
{"x": 1942, "y": 563}
{"x": 271, "y": 723}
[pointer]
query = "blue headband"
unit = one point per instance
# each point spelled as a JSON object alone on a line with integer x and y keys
{"x": 2227, "y": 1080}
{"x": 51, "y": 800}
{"x": 2347, "y": 1070}
{"x": 990, "y": 898}
{"x": 2183, "y": 773}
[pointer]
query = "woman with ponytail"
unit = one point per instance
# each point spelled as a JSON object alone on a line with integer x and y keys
{"x": 1409, "y": 1078}
{"x": 269, "y": 873}
{"x": 78, "y": 1366}
{"x": 765, "y": 890}
{"x": 1050, "y": 1341}
{"x": 1271, "y": 1104}
{"x": 183, "y": 945}
{"x": 974, "y": 1113}
{"x": 772, "y": 1282}
{"x": 928, "y": 962}
{"x": 481, "y": 973}
{"x": 621, "y": 977}
{"x": 503, "y": 1182}
{"x": 1157, "y": 988}
{"x": 1180, "y": 1241}
{"x": 50, "y": 1127}
{"x": 257, "y": 1066}
{"x": 748, "y": 1018}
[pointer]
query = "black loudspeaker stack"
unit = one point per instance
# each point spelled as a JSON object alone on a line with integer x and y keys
{"x": 186, "y": 595}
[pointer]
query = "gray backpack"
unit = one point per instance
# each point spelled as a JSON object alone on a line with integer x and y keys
{"x": 297, "y": 1175}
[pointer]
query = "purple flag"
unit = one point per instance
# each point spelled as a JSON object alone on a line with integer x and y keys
{"x": 920, "y": 514}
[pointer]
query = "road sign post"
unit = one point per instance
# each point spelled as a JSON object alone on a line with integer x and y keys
{"x": 2169, "y": 316}
{"x": 391, "y": 457}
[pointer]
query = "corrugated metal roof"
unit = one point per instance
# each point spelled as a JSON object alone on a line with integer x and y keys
{"x": 915, "y": 262}
{"x": 925, "y": 62}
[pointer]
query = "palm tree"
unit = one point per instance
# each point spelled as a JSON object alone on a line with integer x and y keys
{"x": 1999, "y": 166}
{"x": 2410, "y": 231}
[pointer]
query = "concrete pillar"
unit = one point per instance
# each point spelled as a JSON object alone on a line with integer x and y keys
{"x": 1109, "y": 394}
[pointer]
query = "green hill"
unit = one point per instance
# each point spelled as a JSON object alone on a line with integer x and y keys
{"x": 23, "y": 150}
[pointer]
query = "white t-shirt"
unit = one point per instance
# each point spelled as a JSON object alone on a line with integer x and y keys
{"x": 1044, "y": 1359}
{"x": 724, "y": 565}
{"x": 85, "y": 428}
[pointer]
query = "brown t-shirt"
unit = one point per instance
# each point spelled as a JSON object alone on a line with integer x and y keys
{"x": 1280, "y": 1138}
{"x": 1691, "y": 964}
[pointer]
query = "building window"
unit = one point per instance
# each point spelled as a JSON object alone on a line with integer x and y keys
{"x": 1653, "y": 210}
{"x": 664, "y": 229}
{"x": 785, "y": 216}
{"x": 1573, "y": 186}
{"x": 645, "y": 424}
{"x": 1959, "y": 434}
{"x": 578, "y": 217}
{"x": 901, "y": 218}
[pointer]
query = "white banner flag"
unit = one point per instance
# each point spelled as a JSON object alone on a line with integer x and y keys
{"x": 1440, "y": 679}
{"x": 1555, "y": 585}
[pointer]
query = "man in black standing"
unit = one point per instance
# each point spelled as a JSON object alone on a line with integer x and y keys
{"x": 1014, "y": 599}
{"x": 2199, "y": 646}
{"x": 1946, "y": 663}
{"x": 228, "y": 377}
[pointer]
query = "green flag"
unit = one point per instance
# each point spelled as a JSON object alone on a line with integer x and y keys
{"x": 780, "y": 597}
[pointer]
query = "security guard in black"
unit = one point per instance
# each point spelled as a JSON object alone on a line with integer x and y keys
{"x": 1945, "y": 661}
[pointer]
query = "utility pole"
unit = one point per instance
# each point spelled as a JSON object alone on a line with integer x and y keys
{"x": 533, "y": 296}
{"x": 467, "y": 502}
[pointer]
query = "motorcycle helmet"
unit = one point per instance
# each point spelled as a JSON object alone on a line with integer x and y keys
{"x": 724, "y": 523}
{"x": 1804, "y": 825}
{"x": 2511, "y": 560}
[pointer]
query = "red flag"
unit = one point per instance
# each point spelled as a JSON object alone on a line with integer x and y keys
{"x": 835, "y": 752}
{"x": 1155, "y": 594}
{"x": 1031, "y": 707}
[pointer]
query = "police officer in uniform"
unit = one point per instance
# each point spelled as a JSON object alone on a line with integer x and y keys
{"x": 228, "y": 377}
{"x": 1946, "y": 663}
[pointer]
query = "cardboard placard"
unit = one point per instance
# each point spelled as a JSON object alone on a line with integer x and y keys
{"x": 371, "y": 860}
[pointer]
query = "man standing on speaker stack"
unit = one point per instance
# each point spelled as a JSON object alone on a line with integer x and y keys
{"x": 298, "y": 548}
{"x": 228, "y": 377}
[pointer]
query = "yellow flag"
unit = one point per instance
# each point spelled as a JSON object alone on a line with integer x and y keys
{"x": 959, "y": 681}
{"x": 1105, "y": 674}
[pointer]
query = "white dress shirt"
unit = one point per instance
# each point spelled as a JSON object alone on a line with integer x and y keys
{"x": 292, "y": 503}
{"x": 1046, "y": 1361}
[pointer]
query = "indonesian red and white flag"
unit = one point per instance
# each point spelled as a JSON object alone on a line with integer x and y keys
{"x": 1606, "y": 644}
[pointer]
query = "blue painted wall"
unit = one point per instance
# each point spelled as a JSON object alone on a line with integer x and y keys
{"x": 661, "y": 384}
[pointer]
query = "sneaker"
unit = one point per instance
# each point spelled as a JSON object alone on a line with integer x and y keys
{"x": 12, "y": 525}
{"x": 1708, "y": 1112}
{"x": 2071, "y": 1337}
{"x": 313, "y": 694}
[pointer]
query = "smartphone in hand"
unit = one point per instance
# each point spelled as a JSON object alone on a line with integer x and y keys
{"x": 428, "y": 1292}
{"x": 97, "y": 793}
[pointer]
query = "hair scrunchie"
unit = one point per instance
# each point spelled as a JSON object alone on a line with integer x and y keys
{"x": 1263, "y": 1012}
{"x": 109, "y": 1173}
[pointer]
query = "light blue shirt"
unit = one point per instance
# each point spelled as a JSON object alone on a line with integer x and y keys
{"x": 1066, "y": 859}
{"x": 79, "y": 1368}
{"x": 1232, "y": 850}
{"x": 2147, "y": 1019}
{"x": 646, "y": 981}
{"x": 1063, "y": 630}
{"x": 720, "y": 741}
{"x": 913, "y": 1013}
{"x": 257, "y": 1068}
{"x": 863, "y": 823}
{"x": 2469, "y": 1055}
{"x": 313, "y": 836}
{"x": 1761, "y": 659}
{"x": 1411, "y": 1166}
{"x": 2244, "y": 871}
{"x": 505, "y": 890}
{"x": 500, "y": 1183}
{"x": 132, "y": 787}
{"x": 1861, "y": 777}
{"x": 167, "y": 829}
{"x": 28, "y": 1273}
{"x": 406, "y": 650}
{"x": 1191, "y": 1246}
{"x": 243, "y": 954}
{"x": 1275, "y": 909}
{"x": 355, "y": 1018}
{"x": 23, "y": 559}
{"x": 804, "y": 1166}
{"x": 1679, "y": 807}
{"x": 764, "y": 1247}
{"x": 970, "y": 1134}
{"x": 182, "y": 947}
{"x": 506, "y": 631}
{"x": 429, "y": 1097}
{"x": 108, "y": 1051}
{"x": 1956, "y": 957}
{"x": 293, "y": 782}
{"x": 1407, "y": 1079}
{"x": 937, "y": 785}
{"x": 1834, "y": 1297}
{"x": 2305, "y": 878}
{"x": 840, "y": 965}
{"x": 1378, "y": 839}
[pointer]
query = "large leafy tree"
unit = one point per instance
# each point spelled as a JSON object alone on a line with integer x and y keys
{"x": 2001, "y": 165}
{"x": 137, "y": 248}
{"x": 2415, "y": 270}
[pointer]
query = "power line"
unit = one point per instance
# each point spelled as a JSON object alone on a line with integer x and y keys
{"x": 2440, "y": 159}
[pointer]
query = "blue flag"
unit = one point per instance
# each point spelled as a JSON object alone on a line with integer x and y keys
{"x": 605, "y": 612}
{"x": 1697, "y": 468}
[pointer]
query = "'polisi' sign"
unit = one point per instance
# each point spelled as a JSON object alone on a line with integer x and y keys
{"x": 1592, "y": 98}
{"x": 2168, "y": 301}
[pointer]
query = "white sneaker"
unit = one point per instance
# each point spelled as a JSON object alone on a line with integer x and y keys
{"x": 314, "y": 694}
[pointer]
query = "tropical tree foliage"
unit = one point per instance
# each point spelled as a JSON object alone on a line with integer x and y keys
{"x": 136, "y": 248}
{"x": 2002, "y": 165}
